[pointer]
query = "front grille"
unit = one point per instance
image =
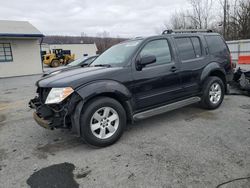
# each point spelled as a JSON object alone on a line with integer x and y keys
{"x": 43, "y": 92}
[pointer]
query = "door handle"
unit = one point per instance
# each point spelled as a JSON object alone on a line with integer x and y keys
{"x": 173, "y": 69}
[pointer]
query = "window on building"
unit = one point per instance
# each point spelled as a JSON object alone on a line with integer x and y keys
{"x": 158, "y": 48}
{"x": 5, "y": 52}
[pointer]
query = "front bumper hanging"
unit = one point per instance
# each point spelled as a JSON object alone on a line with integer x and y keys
{"x": 52, "y": 116}
{"x": 46, "y": 116}
{"x": 40, "y": 110}
{"x": 42, "y": 122}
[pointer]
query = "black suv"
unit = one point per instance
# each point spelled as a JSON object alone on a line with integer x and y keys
{"x": 133, "y": 80}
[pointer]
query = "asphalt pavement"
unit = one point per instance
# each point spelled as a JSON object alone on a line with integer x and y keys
{"x": 188, "y": 147}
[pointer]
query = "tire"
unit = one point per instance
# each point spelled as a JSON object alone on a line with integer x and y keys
{"x": 213, "y": 93}
{"x": 55, "y": 63}
{"x": 95, "y": 129}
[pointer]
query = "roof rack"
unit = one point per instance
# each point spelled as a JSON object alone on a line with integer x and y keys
{"x": 170, "y": 31}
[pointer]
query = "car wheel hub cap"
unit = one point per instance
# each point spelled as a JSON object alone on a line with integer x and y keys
{"x": 215, "y": 93}
{"x": 104, "y": 122}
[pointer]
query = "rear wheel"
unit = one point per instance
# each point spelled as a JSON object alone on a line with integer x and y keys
{"x": 55, "y": 63}
{"x": 213, "y": 93}
{"x": 102, "y": 121}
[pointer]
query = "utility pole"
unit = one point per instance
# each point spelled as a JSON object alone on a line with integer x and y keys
{"x": 225, "y": 18}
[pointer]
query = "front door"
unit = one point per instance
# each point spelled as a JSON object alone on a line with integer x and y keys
{"x": 157, "y": 83}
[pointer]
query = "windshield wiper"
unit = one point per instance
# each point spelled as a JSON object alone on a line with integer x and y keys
{"x": 102, "y": 65}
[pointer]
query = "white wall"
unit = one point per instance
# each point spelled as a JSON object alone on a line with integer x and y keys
{"x": 26, "y": 58}
{"x": 239, "y": 47}
{"x": 77, "y": 49}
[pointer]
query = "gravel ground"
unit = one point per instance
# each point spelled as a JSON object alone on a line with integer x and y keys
{"x": 189, "y": 147}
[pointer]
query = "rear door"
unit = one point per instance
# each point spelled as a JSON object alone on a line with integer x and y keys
{"x": 192, "y": 57}
{"x": 157, "y": 83}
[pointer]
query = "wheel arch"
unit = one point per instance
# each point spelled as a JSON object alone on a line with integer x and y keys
{"x": 214, "y": 69}
{"x": 125, "y": 103}
{"x": 106, "y": 88}
{"x": 219, "y": 74}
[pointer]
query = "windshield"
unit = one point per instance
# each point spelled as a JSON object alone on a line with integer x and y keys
{"x": 76, "y": 62}
{"x": 117, "y": 55}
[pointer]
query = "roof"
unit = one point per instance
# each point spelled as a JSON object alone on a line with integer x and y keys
{"x": 18, "y": 29}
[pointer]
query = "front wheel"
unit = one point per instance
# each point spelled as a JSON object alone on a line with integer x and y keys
{"x": 213, "y": 93}
{"x": 102, "y": 121}
{"x": 55, "y": 63}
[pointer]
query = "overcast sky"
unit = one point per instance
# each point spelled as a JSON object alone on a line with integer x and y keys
{"x": 124, "y": 18}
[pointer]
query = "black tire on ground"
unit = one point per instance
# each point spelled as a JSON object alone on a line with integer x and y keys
{"x": 55, "y": 63}
{"x": 205, "y": 99}
{"x": 87, "y": 113}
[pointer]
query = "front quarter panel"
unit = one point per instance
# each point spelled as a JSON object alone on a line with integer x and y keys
{"x": 103, "y": 86}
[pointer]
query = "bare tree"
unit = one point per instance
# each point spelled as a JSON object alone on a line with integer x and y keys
{"x": 242, "y": 19}
{"x": 179, "y": 20}
{"x": 201, "y": 13}
{"x": 104, "y": 41}
{"x": 233, "y": 21}
{"x": 237, "y": 22}
{"x": 199, "y": 17}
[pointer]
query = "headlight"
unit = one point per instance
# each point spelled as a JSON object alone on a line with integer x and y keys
{"x": 57, "y": 95}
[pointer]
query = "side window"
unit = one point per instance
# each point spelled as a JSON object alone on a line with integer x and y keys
{"x": 197, "y": 46}
{"x": 158, "y": 48}
{"x": 185, "y": 47}
{"x": 216, "y": 45}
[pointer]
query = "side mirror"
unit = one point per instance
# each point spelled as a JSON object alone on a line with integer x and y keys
{"x": 145, "y": 60}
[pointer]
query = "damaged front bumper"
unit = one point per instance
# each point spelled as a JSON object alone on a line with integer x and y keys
{"x": 44, "y": 114}
{"x": 42, "y": 122}
{"x": 52, "y": 116}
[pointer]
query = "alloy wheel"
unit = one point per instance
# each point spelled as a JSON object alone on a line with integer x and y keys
{"x": 215, "y": 93}
{"x": 104, "y": 122}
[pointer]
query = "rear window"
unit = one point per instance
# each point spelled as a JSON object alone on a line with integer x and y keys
{"x": 216, "y": 45}
{"x": 185, "y": 48}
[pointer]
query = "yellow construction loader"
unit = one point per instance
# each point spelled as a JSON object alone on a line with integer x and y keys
{"x": 58, "y": 57}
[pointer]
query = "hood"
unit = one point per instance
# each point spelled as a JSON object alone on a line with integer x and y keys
{"x": 77, "y": 77}
{"x": 59, "y": 69}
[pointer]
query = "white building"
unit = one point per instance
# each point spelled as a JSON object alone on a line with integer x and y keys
{"x": 79, "y": 50}
{"x": 19, "y": 49}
